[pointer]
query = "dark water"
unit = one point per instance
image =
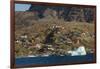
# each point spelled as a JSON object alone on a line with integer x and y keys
{"x": 54, "y": 60}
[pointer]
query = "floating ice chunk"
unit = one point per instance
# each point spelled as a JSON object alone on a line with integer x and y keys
{"x": 79, "y": 51}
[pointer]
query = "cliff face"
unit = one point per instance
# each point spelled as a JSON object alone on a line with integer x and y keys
{"x": 66, "y": 13}
{"x": 56, "y": 14}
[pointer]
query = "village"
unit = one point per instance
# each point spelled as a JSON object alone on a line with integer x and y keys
{"x": 55, "y": 42}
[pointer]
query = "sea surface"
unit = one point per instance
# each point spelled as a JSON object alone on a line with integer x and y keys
{"x": 54, "y": 60}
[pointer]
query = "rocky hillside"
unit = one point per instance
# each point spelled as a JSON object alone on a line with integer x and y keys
{"x": 53, "y": 30}
{"x": 66, "y": 13}
{"x": 47, "y": 13}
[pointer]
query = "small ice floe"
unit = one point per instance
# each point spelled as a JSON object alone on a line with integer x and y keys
{"x": 45, "y": 55}
{"x": 32, "y": 56}
{"x": 78, "y": 52}
{"x": 62, "y": 55}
